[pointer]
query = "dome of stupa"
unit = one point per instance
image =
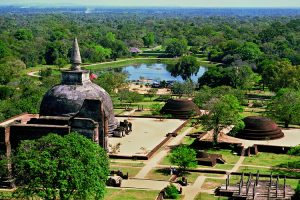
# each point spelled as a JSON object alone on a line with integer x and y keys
{"x": 67, "y": 98}
{"x": 260, "y": 128}
{"x": 180, "y": 108}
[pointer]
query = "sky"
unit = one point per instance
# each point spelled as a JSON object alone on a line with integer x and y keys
{"x": 159, "y": 3}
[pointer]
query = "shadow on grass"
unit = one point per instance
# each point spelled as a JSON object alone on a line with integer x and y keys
{"x": 292, "y": 169}
{"x": 163, "y": 171}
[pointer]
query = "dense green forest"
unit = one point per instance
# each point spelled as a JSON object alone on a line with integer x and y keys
{"x": 265, "y": 50}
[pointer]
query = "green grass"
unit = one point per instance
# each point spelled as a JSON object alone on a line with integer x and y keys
{"x": 206, "y": 196}
{"x": 226, "y": 154}
{"x": 4, "y": 194}
{"x": 118, "y": 111}
{"x": 268, "y": 171}
{"x": 188, "y": 140}
{"x": 129, "y": 61}
{"x": 142, "y": 113}
{"x": 129, "y": 164}
{"x": 122, "y": 194}
{"x": 270, "y": 159}
{"x": 253, "y": 111}
{"x": 159, "y": 174}
{"x": 211, "y": 183}
{"x": 132, "y": 171}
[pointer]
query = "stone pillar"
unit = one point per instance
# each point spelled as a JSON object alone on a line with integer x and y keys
{"x": 277, "y": 180}
{"x": 284, "y": 186}
{"x": 242, "y": 179}
{"x": 257, "y": 177}
{"x": 8, "y": 155}
{"x": 254, "y": 191}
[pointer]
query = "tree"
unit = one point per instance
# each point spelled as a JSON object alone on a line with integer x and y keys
{"x": 111, "y": 81}
{"x": 148, "y": 39}
{"x": 176, "y": 47}
{"x": 10, "y": 68}
{"x": 285, "y": 106}
{"x": 249, "y": 51}
{"x": 184, "y": 157}
{"x": 281, "y": 74}
{"x": 243, "y": 77}
{"x": 206, "y": 93}
{"x": 156, "y": 108}
{"x": 151, "y": 93}
{"x": 129, "y": 97}
{"x": 185, "y": 88}
{"x": 186, "y": 67}
{"x": 23, "y": 34}
{"x": 68, "y": 167}
{"x": 223, "y": 111}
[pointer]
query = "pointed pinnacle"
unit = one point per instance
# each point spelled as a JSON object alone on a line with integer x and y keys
{"x": 75, "y": 58}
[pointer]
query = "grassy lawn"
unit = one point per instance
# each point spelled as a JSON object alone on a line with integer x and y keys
{"x": 129, "y": 164}
{"x": 270, "y": 159}
{"x": 187, "y": 140}
{"x": 122, "y": 194}
{"x": 253, "y": 111}
{"x": 118, "y": 111}
{"x": 4, "y": 194}
{"x": 142, "y": 113}
{"x": 165, "y": 161}
{"x": 159, "y": 174}
{"x": 223, "y": 166}
{"x": 206, "y": 196}
{"x": 292, "y": 182}
{"x": 211, "y": 183}
{"x": 129, "y": 61}
{"x": 226, "y": 154}
{"x": 132, "y": 171}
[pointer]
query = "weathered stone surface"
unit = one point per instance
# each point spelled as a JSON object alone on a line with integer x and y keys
{"x": 67, "y": 99}
{"x": 260, "y": 128}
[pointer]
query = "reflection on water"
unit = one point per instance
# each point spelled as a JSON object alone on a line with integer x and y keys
{"x": 156, "y": 72}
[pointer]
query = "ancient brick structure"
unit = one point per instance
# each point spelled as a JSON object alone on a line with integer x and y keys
{"x": 76, "y": 104}
{"x": 260, "y": 128}
{"x": 181, "y": 108}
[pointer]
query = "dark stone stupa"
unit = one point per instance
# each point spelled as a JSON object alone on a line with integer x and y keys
{"x": 260, "y": 128}
{"x": 180, "y": 108}
{"x": 67, "y": 98}
{"x": 75, "y": 105}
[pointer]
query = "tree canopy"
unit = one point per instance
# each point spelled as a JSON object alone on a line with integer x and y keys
{"x": 184, "y": 157}
{"x": 222, "y": 112}
{"x": 68, "y": 167}
{"x": 186, "y": 67}
{"x": 285, "y": 106}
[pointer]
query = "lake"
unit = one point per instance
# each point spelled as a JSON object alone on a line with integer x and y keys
{"x": 156, "y": 72}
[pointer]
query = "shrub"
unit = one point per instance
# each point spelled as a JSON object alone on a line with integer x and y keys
{"x": 257, "y": 104}
{"x": 297, "y": 192}
{"x": 295, "y": 151}
{"x": 171, "y": 192}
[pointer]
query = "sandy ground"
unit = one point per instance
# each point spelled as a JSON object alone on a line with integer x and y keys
{"x": 144, "y": 89}
{"x": 147, "y": 133}
{"x": 291, "y": 138}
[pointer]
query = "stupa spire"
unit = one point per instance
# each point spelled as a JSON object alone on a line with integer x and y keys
{"x": 75, "y": 58}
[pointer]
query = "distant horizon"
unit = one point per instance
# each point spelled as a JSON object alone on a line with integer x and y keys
{"x": 144, "y": 7}
{"x": 280, "y": 4}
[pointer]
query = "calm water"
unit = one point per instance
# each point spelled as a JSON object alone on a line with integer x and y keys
{"x": 156, "y": 72}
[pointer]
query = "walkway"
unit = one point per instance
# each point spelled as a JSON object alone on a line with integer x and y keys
{"x": 153, "y": 162}
{"x": 190, "y": 192}
{"x": 145, "y": 184}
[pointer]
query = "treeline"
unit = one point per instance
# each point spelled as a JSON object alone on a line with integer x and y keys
{"x": 249, "y": 50}
{"x": 46, "y": 38}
